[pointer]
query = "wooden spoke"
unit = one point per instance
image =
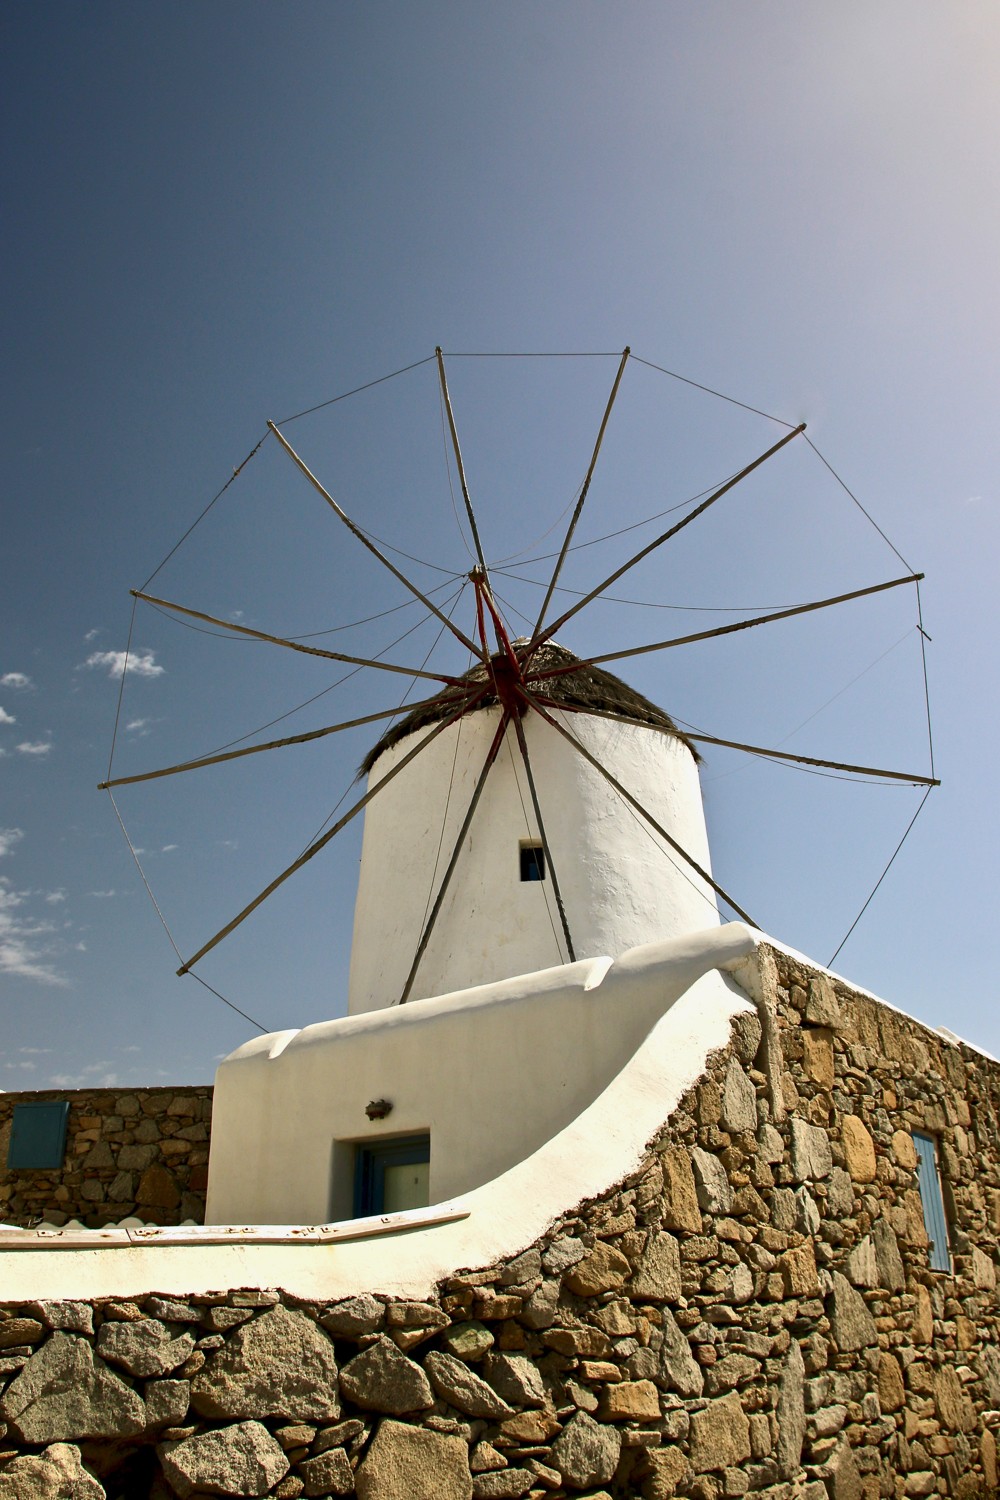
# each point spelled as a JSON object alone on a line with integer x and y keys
{"x": 724, "y": 489}
{"x": 321, "y": 843}
{"x": 583, "y": 494}
{"x": 522, "y": 745}
{"x": 278, "y": 640}
{"x": 460, "y": 465}
{"x": 292, "y": 739}
{"x": 707, "y": 635}
{"x": 637, "y": 806}
{"x": 425, "y": 936}
{"x": 356, "y": 531}
{"x": 910, "y": 777}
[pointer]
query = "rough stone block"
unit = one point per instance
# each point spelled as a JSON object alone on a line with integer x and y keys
{"x": 380, "y": 1378}
{"x": 144, "y": 1348}
{"x": 658, "y": 1275}
{"x": 411, "y": 1463}
{"x": 586, "y": 1452}
{"x": 66, "y": 1392}
{"x": 630, "y": 1401}
{"x": 602, "y": 1269}
{"x": 241, "y": 1460}
{"x": 279, "y": 1365}
{"x": 812, "y": 1159}
{"x": 739, "y": 1100}
{"x": 680, "y": 1197}
{"x": 715, "y": 1195}
{"x": 330, "y": 1473}
{"x": 456, "y": 1384}
{"x": 56, "y": 1474}
{"x": 851, "y": 1324}
{"x": 720, "y": 1435}
{"x": 859, "y": 1149}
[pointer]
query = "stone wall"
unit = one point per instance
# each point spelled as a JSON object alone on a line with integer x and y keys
{"x": 751, "y": 1312}
{"x": 141, "y": 1153}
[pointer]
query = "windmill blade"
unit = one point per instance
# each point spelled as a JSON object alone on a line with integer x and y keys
{"x": 583, "y": 494}
{"x": 707, "y": 635}
{"x": 293, "y": 739}
{"x": 522, "y": 745}
{"x": 279, "y": 640}
{"x": 911, "y": 778}
{"x": 634, "y": 803}
{"x": 425, "y": 936}
{"x": 724, "y": 489}
{"x": 321, "y": 843}
{"x": 365, "y": 541}
{"x": 460, "y": 465}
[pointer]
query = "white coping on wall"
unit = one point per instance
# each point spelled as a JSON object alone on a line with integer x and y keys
{"x": 586, "y": 1157}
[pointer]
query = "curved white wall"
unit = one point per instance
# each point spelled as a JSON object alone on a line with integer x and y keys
{"x": 621, "y": 886}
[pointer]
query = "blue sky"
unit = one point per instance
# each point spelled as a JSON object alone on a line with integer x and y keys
{"x": 221, "y": 215}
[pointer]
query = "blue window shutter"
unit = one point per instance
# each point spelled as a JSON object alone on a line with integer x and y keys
{"x": 38, "y": 1135}
{"x": 929, "y": 1182}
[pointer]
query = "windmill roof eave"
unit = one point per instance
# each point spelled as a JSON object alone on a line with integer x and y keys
{"x": 587, "y": 688}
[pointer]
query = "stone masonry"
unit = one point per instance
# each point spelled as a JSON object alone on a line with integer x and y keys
{"x": 138, "y": 1154}
{"x": 751, "y": 1312}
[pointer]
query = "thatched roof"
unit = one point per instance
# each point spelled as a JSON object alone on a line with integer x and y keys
{"x": 588, "y": 687}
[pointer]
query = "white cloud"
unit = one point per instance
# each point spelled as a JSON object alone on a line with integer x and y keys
{"x": 54, "y": 897}
{"x": 6, "y": 718}
{"x": 169, "y": 848}
{"x": 138, "y": 726}
{"x": 86, "y": 1079}
{"x": 8, "y": 838}
{"x": 103, "y": 894}
{"x": 15, "y": 680}
{"x": 23, "y": 951}
{"x": 142, "y": 663}
{"x": 34, "y": 1051}
{"x": 91, "y": 636}
{"x": 34, "y": 747}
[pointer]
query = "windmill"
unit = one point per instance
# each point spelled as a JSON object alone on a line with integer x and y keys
{"x": 521, "y": 722}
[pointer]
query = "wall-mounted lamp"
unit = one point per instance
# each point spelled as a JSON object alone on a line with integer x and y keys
{"x": 378, "y": 1109}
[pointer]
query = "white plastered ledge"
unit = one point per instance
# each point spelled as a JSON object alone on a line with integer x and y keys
{"x": 588, "y": 1155}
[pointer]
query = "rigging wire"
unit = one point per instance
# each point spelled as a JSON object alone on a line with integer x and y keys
{"x": 170, "y": 937}
{"x": 356, "y": 391}
{"x": 710, "y": 392}
{"x": 701, "y": 609}
{"x": 197, "y": 522}
{"x": 531, "y": 835}
{"x": 884, "y": 873}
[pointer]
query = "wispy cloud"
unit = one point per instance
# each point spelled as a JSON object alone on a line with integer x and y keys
{"x": 6, "y": 718}
{"x": 103, "y": 895}
{"x": 91, "y": 635}
{"x": 34, "y": 1051}
{"x": 34, "y": 747}
{"x": 24, "y": 951}
{"x": 8, "y": 838}
{"x": 138, "y": 726}
{"x": 169, "y": 848}
{"x": 96, "y": 1075}
{"x": 15, "y": 680}
{"x": 142, "y": 663}
{"x": 54, "y": 897}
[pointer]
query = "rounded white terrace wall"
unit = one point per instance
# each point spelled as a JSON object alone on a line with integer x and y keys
{"x": 621, "y": 885}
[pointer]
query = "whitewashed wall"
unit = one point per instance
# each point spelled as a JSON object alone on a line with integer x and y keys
{"x": 619, "y": 886}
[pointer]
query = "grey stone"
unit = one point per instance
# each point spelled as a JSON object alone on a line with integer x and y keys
{"x": 167, "y": 1402}
{"x": 330, "y": 1473}
{"x": 239, "y": 1460}
{"x": 726, "y": 1374}
{"x": 410, "y": 1463}
{"x": 806, "y": 1212}
{"x": 526, "y": 1267}
{"x": 720, "y": 1435}
{"x": 171, "y": 1310}
{"x": 586, "y": 1452}
{"x": 715, "y": 1195}
{"x": 136, "y": 1158}
{"x": 989, "y": 1363}
{"x": 540, "y": 1309}
{"x": 56, "y": 1474}
{"x": 657, "y": 1277}
{"x": 840, "y": 1194}
{"x": 679, "y": 1371}
{"x": 415, "y": 1315}
{"x": 381, "y": 1378}
{"x": 770, "y": 1144}
{"x": 73, "y": 1317}
{"x": 562, "y": 1254}
{"x": 861, "y": 1266}
{"x": 65, "y": 1392}
{"x": 144, "y": 1349}
{"x": 741, "y": 1284}
{"x": 840, "y": 1473}
{"x": 791, "y": 1414}
{"x": 355, "y": 1317}
{"x": 515, "y": 1378}
{"x": 812, "y": 1159}
{"x": 456, "y": 1384}
{"x": 280, "y": 1365}
{"x": 739, "y": 1100}
{"x": 822, "y": 1006}
{"x": 503, "y": 1484}
{"x": 122, "y": 1188}
{"x": 783, "y": 1209}
{"x": 887, "y": 1256}
{"x": 851, "y": 1324}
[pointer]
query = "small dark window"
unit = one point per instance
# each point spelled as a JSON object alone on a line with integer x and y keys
{"x": 392, "y": 1176}
{"x": 532, "y": 862}
{"x": 929, "y": 1182}
{"x": 38, "y": 1135}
